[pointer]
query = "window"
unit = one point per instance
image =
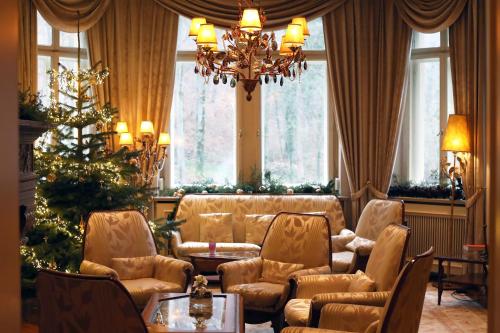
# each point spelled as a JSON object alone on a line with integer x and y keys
{"x": 203, "y": 123}
{"x": 429, "y": 102}
{"x": 219, "y": 137}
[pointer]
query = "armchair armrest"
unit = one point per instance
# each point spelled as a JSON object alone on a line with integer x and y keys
{"x": 340, "y": 241}
{"x": 93, "y": 268}
{"x": 310, "y": 285}
{"x": 175, "y": 241}
{"x": 308, "y": 330}
{"x": 319, "y": 301}
{"x": 173, "y": 270}
{"x": 293, "y": 277}
{"x": 349, "y": 317}
{"x": 239, "y": 272}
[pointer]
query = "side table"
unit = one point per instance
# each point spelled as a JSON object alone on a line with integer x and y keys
{"x": 468, "y": 279}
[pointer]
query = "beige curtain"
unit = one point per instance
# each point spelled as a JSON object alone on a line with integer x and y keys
{"x": 63, "y": 14}
{"x": 225, "y": 13}
{"x": 26, "y": 61}
{"x": 430, "y": 15}
{"x": 136, "y": 40}
{"x": 367, "y": 45}
{"x": 467, "y": 56}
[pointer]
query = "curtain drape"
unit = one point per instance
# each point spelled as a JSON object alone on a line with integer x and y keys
{"x": 136, "y": 40}
{"x": 367, "y": 45}
{"x": 63, "y": 14}
{"x": 225, "y": 13}
{"x": 430, "y": 15}
{"x": 26, "y": 62}
{"x": 467, "y": 58}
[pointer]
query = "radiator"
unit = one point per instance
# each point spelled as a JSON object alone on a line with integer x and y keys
{"x": 433, "y": 230}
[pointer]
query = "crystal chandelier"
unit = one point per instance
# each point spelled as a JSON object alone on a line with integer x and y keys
{"x": 249, "y": 55}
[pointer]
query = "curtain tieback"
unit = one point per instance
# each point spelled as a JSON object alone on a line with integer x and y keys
{"x": 473, "y": 199}
{"x": 373, "y": 191}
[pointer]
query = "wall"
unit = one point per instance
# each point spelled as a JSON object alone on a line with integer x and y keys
{"x": 9, "y": 219}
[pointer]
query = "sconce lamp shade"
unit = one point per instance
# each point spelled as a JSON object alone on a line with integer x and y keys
{"x": 456, "y": 135}
{"x": 164, "y": 139}
{"x": 196, "y": 22}
{"x": 126, "y": 139}
{"x": 147, "y": 127}
{"x": 121, "y": 127}
{"x": 206, "y": 36}
{"x": 250, "y": 20}
{"x": 283, "y": 49}
{"x": 294, "y": 37}
{"x": 302, "y": 21}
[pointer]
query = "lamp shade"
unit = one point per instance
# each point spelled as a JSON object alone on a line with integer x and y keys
{"x": 206, "y": 36}
{"x": 302, "y": 21}
{"x": 164, "y": 139}
{"x": 147, "y": 127}
{"x": 456, "y": 135}
{"x": 284, "y": 50}
{"x": 294, "y": 37}
{"x": 194, "y": 28}
{"x": 126, "y": 139}
{"x": 121, "y": 127}
{"x": 250, "y": 20}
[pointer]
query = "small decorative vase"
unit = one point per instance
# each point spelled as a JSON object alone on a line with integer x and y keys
{"x": 211, "y": 248}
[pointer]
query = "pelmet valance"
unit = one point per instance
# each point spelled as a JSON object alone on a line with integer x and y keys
{"x": 224, "y": 13}
{"x": 430, "y": 15}
{"x": 63, "y": 14}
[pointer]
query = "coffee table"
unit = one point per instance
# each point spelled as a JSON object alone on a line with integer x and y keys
{"x": 206, "y": 263}
{"x": 169, "y": 312}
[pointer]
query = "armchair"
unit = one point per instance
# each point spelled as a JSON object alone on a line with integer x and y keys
{"x": 401, "y": 313}
{"x": 120, "y": 244}
{"x": 384, "y": 264}
{"x": 295, "y": 245}
{"x": 352, "y": 249}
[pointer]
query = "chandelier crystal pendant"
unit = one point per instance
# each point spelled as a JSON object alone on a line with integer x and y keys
{"x": 249, "y": 55}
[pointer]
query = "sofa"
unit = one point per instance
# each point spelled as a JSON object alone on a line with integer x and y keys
{"x": 238, "y": 210}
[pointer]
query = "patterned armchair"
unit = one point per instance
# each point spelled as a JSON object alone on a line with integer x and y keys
{"x": 295, "y": 245}
{"x": 352, "y": 249}
{"x": 401, "y": 313}
{"x": 369, "y": 288}
{"x": 120, "y": 244}
{"x": 82, "y": 303}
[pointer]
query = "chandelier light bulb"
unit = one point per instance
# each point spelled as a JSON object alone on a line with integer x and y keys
{"x": 250, "y": 20}
{"x": 194, "y": 28}
{"x": 294, "y": 37}
{"x": 206, "y": 36}
{"x": 302, "y": 21}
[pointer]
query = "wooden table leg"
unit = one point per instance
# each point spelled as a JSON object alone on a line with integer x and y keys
{"x": 440, "y": 280}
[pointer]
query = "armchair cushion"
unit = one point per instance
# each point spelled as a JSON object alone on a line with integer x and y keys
{"x": 216, "y": 227}
{"x": 133, "y": 268}
{"x": 261, "y": 295}
{"x": 92, "y": 268}
{"x": 142, "y": 289}
{"x": 297, "y": 311}
{"x": 362, "y": 245}
{"x": 361, "y": 282}
{"x": 256, "y": 226}
{"x": 185, "y": 249}
{"x": 341, "y": 240}
{"x": 341, "y": 261}
{"x": 278, "y": 272}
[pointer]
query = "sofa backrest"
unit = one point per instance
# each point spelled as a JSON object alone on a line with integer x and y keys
{"x": 243, "y": 204}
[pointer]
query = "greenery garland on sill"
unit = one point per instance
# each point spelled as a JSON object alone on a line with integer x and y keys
{"x": 424, "y": 191}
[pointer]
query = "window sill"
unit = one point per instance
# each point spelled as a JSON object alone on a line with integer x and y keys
{"x": 430, "y": 201}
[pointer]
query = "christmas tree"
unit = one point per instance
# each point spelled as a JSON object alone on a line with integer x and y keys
{"x": 78, "y": 172}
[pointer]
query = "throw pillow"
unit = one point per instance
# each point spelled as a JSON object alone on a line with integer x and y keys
{"x": 277, "y": 272}
{"x": 363, "y": 245}
{"x": 216, "y": 227}
{"x": 133, "y": 268}
{"x": 256, "y": 227}
{"x": 361, "y": 282}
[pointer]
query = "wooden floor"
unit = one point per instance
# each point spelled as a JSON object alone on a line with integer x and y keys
{"x": 453, "y": 316}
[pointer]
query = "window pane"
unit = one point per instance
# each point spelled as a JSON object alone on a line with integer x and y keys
{"x": 421, "y": 40}
{"x": 184, "y": 43}
{"x": 43, "y": 79}
{"x": 44, "y": 31}
{"x": 316, "y": 40}
{"x": 70, "y": 39}
{"x": 203, "y": 128}
{"x": 425, "y": 121}
{"x": 451, "y": 102}
{"x": 294, "y": 120}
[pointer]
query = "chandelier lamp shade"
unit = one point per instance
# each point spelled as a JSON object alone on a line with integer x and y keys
{"x": 248, "y": 54}
{"x": 152, "y": 151}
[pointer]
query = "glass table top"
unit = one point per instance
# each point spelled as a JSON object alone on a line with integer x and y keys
{"x": 185, "y": 314}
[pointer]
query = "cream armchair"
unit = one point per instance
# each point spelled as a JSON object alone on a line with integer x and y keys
{"x": 401, "y": 313}
{"x": 352, "y": 249}
{"x": 120, "y": 244}
{"x": 369, "y": 288}
{"x": 295, "y": 245}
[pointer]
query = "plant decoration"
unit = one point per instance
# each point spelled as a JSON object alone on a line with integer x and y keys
{"x": 200, "y": 287}
{"x": 31, "y": 107}
{"x": 163, "y": 229}
{"x": 423, "y": 191}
